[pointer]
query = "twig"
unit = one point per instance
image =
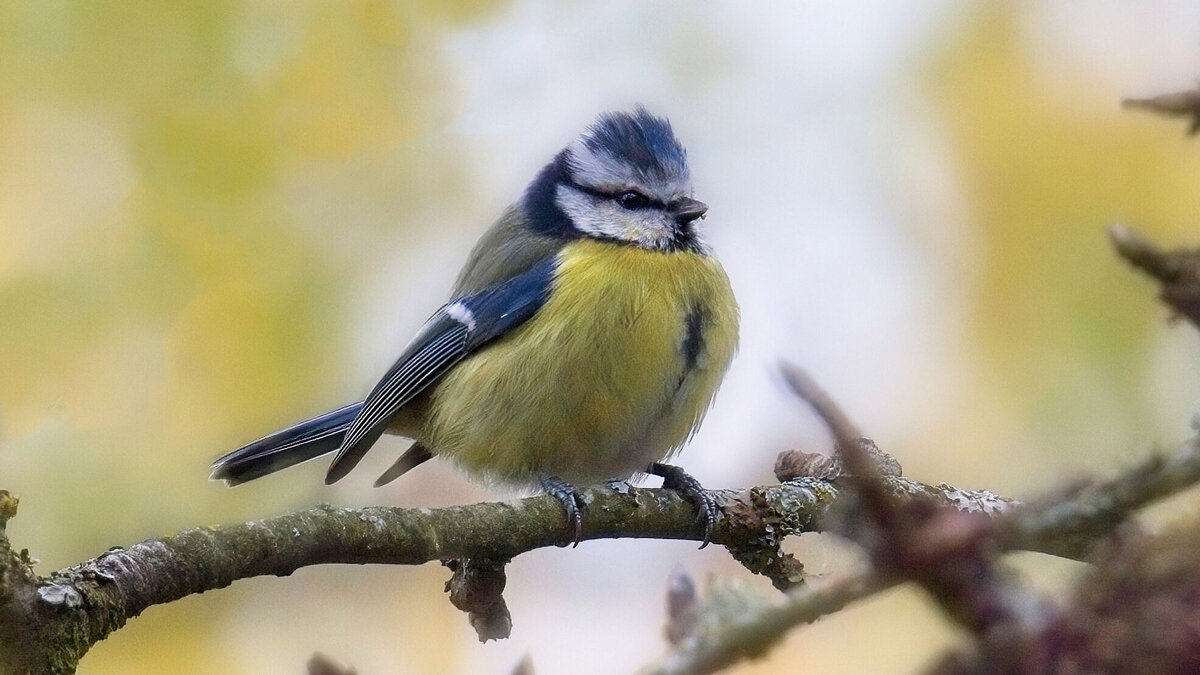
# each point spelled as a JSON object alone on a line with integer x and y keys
{"x": 949, "y": 552}
{"x": 1178, "y": 271}
{"x": 806, "y": 389}
{"x": 1066, "y": 528}
{"x": 1176, "y": 104}
{"x": 754, "y": 634}
{"x": 323, "y": 664}
{"x": 1133, "y": 612}
{"x": 1069, "y": 527}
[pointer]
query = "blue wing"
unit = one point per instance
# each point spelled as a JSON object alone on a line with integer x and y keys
{"x": 452, "y": 333}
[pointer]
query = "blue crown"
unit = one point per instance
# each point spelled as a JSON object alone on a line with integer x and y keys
{"x": 642, "y": 140}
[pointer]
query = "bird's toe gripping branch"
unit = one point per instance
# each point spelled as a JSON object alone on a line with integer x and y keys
{"x": 565, "y": 493}
{"x": 675, "y": 478}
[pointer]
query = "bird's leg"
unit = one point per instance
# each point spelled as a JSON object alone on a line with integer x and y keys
{"x": 564, "y": 492}
{"x": 675, "y": 478}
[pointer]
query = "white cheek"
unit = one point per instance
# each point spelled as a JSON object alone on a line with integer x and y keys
{"x": 604, "y": 218}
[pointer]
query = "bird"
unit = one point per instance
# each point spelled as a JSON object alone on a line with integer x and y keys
{"x": 583, "y": 341}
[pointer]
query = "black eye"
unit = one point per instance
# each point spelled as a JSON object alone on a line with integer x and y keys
{"x": 632, "y": 200}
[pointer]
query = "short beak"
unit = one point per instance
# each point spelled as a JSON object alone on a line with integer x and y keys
{"x": 687, "y": 209}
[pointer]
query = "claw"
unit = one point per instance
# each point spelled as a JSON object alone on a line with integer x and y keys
{"x": 675, "y": 478}
{"x": 565, "y": 494}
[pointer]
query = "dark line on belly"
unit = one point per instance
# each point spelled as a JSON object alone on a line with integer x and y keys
{"x": 693, "y": 342}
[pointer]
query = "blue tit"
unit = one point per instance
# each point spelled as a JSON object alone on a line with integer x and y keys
{"x": 584, "y": 340}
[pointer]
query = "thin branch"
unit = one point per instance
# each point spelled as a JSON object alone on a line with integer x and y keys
{"x": 807, "y": 389}
{"x": 323, "y": 664}
{"x": 1070, "y": 526}
{"x": 949, "y": 552}
{"x": 753, "y": 634}
{"x": 1175, "y": 104}
{"x": 1066, "y": 528}
{"x": 1178, "y": 271}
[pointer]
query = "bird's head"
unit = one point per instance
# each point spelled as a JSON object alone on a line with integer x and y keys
{"x": 626, "y": 180}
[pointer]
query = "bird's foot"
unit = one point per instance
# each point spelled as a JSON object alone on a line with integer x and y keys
{"x": 675, "y": 478}
{"x": 565, "y": 493}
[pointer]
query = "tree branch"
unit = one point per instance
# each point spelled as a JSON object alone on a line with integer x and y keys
{"x": 1066, "y": 528}
{"x": 1178, "y": 271}
{"x": 1176, "y": 104}
{"x": 753, "y": 634}
{"x": 60, "y": 616}
{"x": 47, "y": 624}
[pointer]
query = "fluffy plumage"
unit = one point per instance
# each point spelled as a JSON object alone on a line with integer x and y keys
{"x": 598, "y": 383}
{"x": 584, "y": 339}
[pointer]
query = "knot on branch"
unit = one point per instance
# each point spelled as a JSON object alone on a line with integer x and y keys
{"x": 475, "y": 588}
{"x": 793, "y": 464}
{"x": 783, "y": 569}
{"x": 8, "y": 507}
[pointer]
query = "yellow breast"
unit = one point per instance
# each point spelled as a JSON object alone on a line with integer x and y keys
{"x": 615, "y": 371}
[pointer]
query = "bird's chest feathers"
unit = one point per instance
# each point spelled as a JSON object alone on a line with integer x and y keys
{"x": 615, "y": 370}
{"x": 645, "y": 319}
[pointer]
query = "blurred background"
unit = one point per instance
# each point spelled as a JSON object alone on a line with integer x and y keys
{"x": 219, "y": 217}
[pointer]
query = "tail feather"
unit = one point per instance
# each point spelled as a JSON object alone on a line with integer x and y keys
{"x": 414, "y": 456}
{"x": 301, "y": 442}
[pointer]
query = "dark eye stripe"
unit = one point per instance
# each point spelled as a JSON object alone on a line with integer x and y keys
{"x": 599, "y": 194}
